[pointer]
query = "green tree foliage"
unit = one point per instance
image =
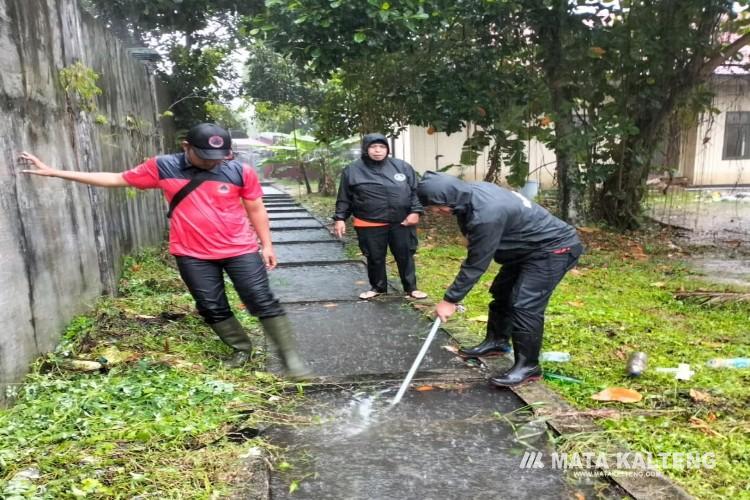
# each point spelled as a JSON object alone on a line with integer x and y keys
{"x": 595, "y": 81}
{"x": 327, "y": 159}
{"x": 196, "y": 39}
{"x": 283, "y": 118}
{"x": 142, "y": 19}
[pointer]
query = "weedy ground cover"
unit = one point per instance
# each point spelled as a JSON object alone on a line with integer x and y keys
{"x": 622, "y": 298}
{"x": 162, "y": 418}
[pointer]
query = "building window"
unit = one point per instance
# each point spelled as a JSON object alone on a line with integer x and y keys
{"x": 737, "y": 135}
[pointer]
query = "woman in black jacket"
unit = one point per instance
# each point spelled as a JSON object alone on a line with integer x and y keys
{"x": 380, "y": 193}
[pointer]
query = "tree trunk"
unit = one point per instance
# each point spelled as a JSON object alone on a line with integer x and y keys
{"x": 623, "y": 191}
{"x": 496, "y": 164}
{"x": 304, "y": 176}
{"x": 567, "y": 194}
{"x": 327, "y": 184}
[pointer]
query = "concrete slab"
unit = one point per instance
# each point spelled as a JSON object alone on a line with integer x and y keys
{"x": 319, "y": 283}
{"x": 310, "y": 252}
{"x": 278, "y": 199}
{"x": 301, "y": 235}
{"x": 296, "y": 214}
{"x": 273, "y": 209}
{"x": 270, "y": 190}
{"x": 357, "y": 338}
{"x": 281, "y": 225}
{"x": 435, "y": 445}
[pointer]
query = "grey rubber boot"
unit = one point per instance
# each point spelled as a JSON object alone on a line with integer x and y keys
{"x": 280, "y": 330}
{"x": 233, "y": 334}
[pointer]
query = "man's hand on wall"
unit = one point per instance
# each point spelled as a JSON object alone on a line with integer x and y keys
{"x": 41, "y": 168}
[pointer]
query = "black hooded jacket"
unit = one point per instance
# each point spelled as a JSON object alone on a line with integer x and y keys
{"x": 377, "y": 191}
{"x": 498, "y": 223}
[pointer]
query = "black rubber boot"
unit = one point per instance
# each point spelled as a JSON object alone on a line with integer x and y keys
{"x": 487, "y": 349}
{"x": 279, "y": 329}
{"x": 495, "y": 343}
{"x": 526, "y": 347}
{"x": 233, "y": 334}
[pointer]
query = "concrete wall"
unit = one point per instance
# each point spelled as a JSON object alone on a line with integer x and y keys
{"x": 61, "y": 243}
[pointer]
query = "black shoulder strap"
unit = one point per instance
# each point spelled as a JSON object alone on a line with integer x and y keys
{"x": 186, "y": 190}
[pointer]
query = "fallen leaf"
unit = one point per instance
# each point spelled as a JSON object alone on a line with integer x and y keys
{"x": 114, "y": 356}
{"x": 703, "y": 426}
{"x": 580, "y": 496}
{"x": 575, "y": 303}
{"x": 453, "y": 387}
{"x": 588, "y": 230}
{"x": 450, "y": 348}
{"x": 621, "y": 354}
{"x": 700, "y": 396}
{"x": 423, "y": 388}
{"x": 658, "y": 284}
{"x": 575, "y": 272}
{"x": 482, "y": 318}
{"x": 620, "y": 394}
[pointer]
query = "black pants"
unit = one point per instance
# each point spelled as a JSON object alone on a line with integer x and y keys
{"x": 374, "y": 243}
{"x": 205, "y": 280}
{"x": 521, "y": 292}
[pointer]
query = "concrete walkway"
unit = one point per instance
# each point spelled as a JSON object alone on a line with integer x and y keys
{"x": 451, "y": 437}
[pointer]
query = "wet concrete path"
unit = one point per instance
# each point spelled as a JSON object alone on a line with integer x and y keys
{"x": 451, "y": 437}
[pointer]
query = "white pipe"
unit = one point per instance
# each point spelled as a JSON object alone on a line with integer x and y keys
{"x": 415, "y": 365}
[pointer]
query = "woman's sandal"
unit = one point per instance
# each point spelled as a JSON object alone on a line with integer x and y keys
{"x": 369, "y": 294}
{"x": 416, "y": 294}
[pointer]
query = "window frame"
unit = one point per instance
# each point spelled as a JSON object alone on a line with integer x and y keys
{"x": 742, "y": 127}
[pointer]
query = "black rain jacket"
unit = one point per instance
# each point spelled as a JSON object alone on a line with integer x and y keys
{"x": 377, "y": 191}
{"x": 499, "y": 224}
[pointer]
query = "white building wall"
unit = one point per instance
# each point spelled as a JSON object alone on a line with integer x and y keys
{"x": 732, "y": 94}
{"x": 419, "y": 148}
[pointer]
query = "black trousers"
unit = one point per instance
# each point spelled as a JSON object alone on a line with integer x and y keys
{"x": 521, "y": 292}
{"x": 205, "y": 280}
{"x": 374, "y": 243}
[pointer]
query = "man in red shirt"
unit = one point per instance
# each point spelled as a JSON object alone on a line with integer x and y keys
{"x": 216, "y": 217}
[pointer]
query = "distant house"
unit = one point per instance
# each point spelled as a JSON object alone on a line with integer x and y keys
{"x": 714, "y": 152}
{"x": 427, "y": 150}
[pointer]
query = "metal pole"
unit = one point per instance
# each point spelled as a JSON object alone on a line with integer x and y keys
{"x": 415, "y": 365}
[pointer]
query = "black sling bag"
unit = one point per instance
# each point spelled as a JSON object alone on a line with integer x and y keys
{"x": 186, "y": 190}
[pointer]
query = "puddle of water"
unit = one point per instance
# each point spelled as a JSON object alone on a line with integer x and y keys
{"x": 728, "y": 271}
{"x": 435, "y": 444}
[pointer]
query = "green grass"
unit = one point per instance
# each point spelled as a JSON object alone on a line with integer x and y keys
{"x": 156, "y": 423}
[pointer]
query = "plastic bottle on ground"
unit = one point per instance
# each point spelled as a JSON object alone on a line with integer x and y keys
{"x": 728, "y": 363}
{"x": 558, "y": 357}
{"x": 637, "y": 364}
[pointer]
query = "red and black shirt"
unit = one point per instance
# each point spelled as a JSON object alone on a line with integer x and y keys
{"x": 211, "y": 222}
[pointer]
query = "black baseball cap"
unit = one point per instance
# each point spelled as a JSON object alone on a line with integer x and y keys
{"x": 210, "y": 141}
